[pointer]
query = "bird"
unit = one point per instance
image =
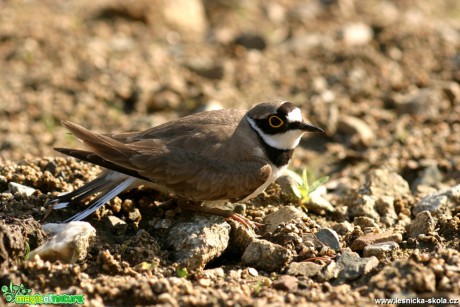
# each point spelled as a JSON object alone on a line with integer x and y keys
{"x": 217, "y": 156}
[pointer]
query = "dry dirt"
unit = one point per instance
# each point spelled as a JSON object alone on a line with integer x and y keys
{"x": 381, "y": 77}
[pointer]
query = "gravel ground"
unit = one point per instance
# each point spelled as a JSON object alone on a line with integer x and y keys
{"x": 381, "y": 77}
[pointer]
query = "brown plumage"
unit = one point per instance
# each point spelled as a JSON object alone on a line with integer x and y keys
{"x": 208, "y": 156}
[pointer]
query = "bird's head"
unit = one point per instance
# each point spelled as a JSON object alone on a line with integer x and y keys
{"x": 280, "y": 125}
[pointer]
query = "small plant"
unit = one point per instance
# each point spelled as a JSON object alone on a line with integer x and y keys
{"x": 257, "y": 288}
{"x": 27, "y": 254}
{"x": 182, "y": 272}
{"x": 304, "y": 185}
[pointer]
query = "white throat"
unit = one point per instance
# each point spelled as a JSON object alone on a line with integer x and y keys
{"x": 284, "y": 141}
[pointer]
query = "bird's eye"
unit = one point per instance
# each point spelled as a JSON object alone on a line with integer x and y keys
{"x": 275, "y": 122}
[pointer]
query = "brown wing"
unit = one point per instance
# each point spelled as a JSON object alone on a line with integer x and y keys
{"x": 188, "y": 173}
{"x": 200, "y": 178}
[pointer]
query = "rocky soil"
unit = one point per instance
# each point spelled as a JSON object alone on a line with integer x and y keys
{"x": 381, "y": 77}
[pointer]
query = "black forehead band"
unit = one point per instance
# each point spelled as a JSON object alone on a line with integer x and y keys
{"x": 285, "y": 108}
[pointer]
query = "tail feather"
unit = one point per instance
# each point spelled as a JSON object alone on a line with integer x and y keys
{"x": 81, "y": 193}
{"x": 106, "y": 195}
{"x": 109, "y": 185}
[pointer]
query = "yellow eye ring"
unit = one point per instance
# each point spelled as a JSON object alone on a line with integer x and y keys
{"x": 275, "y": 122}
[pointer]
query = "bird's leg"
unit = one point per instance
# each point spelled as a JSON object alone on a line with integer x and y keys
{"x": 227, "y": 213}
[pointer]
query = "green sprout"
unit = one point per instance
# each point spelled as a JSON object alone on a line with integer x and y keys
{"x": 257, "y": 288}
{"x": 27, "y": 255}
{"x": 181, "y": 272}
{"x": 304, "y": 185}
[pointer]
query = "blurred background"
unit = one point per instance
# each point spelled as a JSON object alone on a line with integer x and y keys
{"x": 382, "y": 77}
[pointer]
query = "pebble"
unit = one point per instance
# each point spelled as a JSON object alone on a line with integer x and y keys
{"x": 206, "y": 68}
{"x": 355, "y": 126}
{"x": 363, "y": 205}
{"x": 330, "y": 272}
{"x": 214, "y": 273}
{"x": 307, "y": 269}
{"x": 420, "y": 102}
{"x": 330, "y": 238}
{"x": 357, "y": 34}
{"x": 422, "y": 224}
{"x": 117, "y": 225}
{"x": 387, "y": 182}
{"x": 380, "y": 250}
{"x": 199, "y": 240}
{"x": 14, "y": 187}
{"x": 318, "y": 204}
{"x": 69, "y": 242}
{"x": 283, "y": 215}
{"x": 352, "y": 266}
{"x": 187, "y": 16}
{"x": 371, "y": 238}
{"x": 438, "y": 202}
{"x": 365, "y": 222}
{"x": 343, "y": 228}
{"x": 251, "y": 41}
{"x": 253, "y": 272}
{"x": 429, "y": 176}
{"x": 204, "y": 282}
{"x": 286, "y": 283}
{"x": 265, "y": 255}
{"x": 384, "y": 206}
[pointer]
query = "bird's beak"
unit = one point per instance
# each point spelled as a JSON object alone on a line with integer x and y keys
{"x": 306, "y": 127}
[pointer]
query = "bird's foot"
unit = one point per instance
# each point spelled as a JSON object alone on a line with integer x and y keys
{"x": 244, "y": 221}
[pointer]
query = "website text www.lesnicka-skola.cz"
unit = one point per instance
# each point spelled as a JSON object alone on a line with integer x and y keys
{"x": 416, "y": 300}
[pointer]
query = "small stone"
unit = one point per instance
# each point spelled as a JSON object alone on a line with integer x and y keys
{"x": 241, "y": 237}
{"x": 161, "y": 223}
{"x": 204, "y": 282}
{"x": 386, "y": 209}
{"x": 117, "y": 225}
{"x": 363, "y": 205}
{"x": 187, "y": 16}
{"x": 318, "y": 204}
{"x": 199, "y": 240}
{"x": 429, "y": 176}
{"x": 387, "y": 182}
{"x": 357, "y": 34}
{"x": 371, "y": 238}
{"x": 214, "y": 273}
{"x": 251, "y": 41}
{"x": 134, "y": 215}
{"x": 380, "y": 250}
{"x": 253, "y": 272}
{"x": 365, "y": 222}
{"x": 329, "y": 238}
{"x": 266, "y": 256}
{"x": 421, "y": 102}
{"x": 343, "y": 228}
{"x": 310, "y": 239}
{"x": 206, "y": 68}
{"x": 439, "y": 202}
{"x": 286, "y": 283}
{"x": 331, "y": 271}
{"x": 422, "y": 224}
{"x": 69, "y": 242}
{"x": 14, "y": 187}
{"x": 307, "y": 269}
{"x": 352, "y": 266}
{"x": 283, "y": 215}
{"x": 357, "y": 128}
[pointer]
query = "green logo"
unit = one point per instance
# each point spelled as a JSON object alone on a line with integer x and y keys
{"x": 21, "y": 295}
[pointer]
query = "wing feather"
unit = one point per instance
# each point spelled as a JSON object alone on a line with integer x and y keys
{"x": 193, "y": 174}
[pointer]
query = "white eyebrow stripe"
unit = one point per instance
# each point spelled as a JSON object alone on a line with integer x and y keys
{"x": 294, "y": 116}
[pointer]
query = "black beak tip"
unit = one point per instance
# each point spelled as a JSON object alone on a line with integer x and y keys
{"x": 311, "y": 128}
